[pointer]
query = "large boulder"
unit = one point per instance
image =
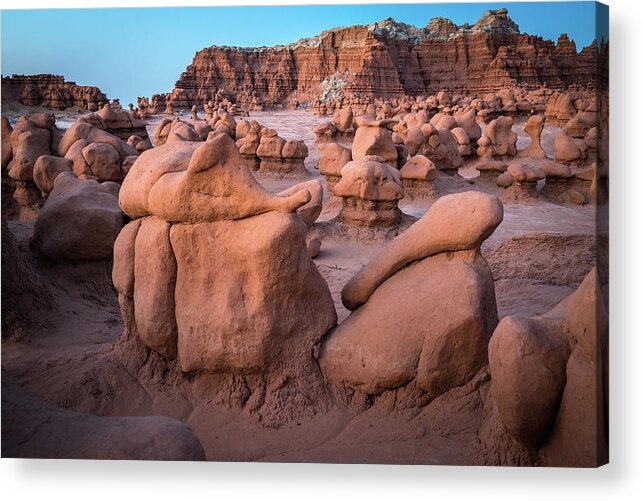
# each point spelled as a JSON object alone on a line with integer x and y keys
{"x": 549, "y": 378}
{"x": 569, "y": 150}
{"x": 80, "y": 220}
{"x": 424, "y": 307}
{"x": 209, "y": 229}
{"x": 7, "y": 152}
{"x": 47, "y": 169}
{"x": 32, "y": 428}
{"x": 527, "y": 360}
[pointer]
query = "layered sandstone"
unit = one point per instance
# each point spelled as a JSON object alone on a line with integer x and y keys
{"x": 51, "y": 91}
{"x": 387, "y": 59}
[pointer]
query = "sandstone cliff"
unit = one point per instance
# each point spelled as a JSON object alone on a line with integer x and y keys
{"x": 387, "y": 59}
{"x": 50, "y": 91}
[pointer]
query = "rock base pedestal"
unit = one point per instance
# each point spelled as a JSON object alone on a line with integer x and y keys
{"x": 358, "y": 212}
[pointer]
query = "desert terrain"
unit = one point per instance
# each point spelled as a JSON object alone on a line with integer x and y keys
{"x": 414, "y": 273}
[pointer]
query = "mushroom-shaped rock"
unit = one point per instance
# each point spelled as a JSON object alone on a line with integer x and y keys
{"x": 490, "y": 168}
{"x": 79, "y": 221}
{"x": 370, "y": 190}
{"x": 373, "y": 138}
{"x": 525, "y": 177}
{"x": 441, "y": 332}
{"x": 417, "y": 170}
{"x": 270, "y": 150}
{"x": 534, "y": 127}
{"x": 525, "y": 173}
{"x": 210, "y": 229}
{"x": 294, "y": 153}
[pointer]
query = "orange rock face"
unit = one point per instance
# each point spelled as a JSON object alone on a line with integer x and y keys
{"x": 51, "y": 91}
{"x": 387, "y": 59}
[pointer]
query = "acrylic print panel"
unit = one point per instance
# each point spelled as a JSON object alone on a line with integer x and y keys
{"x": 374, "y": 234}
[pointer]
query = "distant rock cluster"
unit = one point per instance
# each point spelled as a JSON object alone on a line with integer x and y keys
{"x": 51, "y": 91}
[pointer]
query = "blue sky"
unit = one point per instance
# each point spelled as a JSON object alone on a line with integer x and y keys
{"x": 131, "y": 52}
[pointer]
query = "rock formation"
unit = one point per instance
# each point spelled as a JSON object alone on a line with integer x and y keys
{"x": 332, "y": 158}
{"x": 547, "y": 378}
{"x": 440, "y": 146}
{"x": 32, "y": 428}
{"x": 387, "y": 59}
{"x": 205, "y": 226}
{"x": 50, "y": 91}
{"x": 80, "y": 220}
{"x": 248, "y": 140}
{"x": 373, "y": 138}
{"x": 523, "y": 181}
{"x": 438, "y": 339}
{"x": 121, "y": 124}
{"x": 499, "y": 140}
{"x": 371, "y": 190}
{"x": 279, "y": 155}
{"x": 31, "y": 137}
{"x": 418, "y": 172}
{"x": 534, "y": 127}
{"x": 94, "y": 152}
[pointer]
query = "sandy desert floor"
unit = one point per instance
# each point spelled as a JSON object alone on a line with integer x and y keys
{"x": 539, "y": 255}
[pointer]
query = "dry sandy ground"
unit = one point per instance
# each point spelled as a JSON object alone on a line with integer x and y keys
{"x": 539, "y": 254}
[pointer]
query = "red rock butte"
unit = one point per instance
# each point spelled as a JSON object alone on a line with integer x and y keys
{"x": 388, "y": 59}
{"x": 51, "y": 91}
